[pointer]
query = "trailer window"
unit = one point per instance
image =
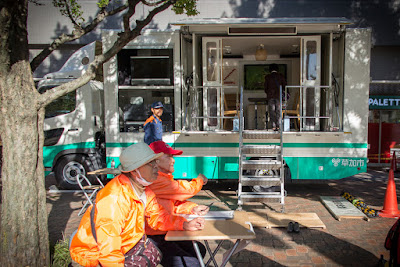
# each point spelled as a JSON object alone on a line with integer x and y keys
{"x": 134, "y": 108}
{"x": 211, "y": 61}
{"x": 61, "y": 105}
{"x": 311, "y": 60}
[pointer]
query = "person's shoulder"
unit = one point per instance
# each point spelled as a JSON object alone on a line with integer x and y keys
{"x": 150, "y": 119}
{"x": 114, "y": 189}
{"x": 149, "y": 194}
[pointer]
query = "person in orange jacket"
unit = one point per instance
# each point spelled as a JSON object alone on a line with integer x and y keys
{"x": 122, "y": 208}
{"x": 172, "y": 195}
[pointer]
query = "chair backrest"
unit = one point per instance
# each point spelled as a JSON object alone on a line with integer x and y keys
{"x": 230, "y": 102}
{"x": 294, "y": 101}
{"x": 83, "y": 181}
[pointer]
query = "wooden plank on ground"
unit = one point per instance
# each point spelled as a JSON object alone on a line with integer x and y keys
{"x": 269, "y": 219}
{"x": 341, "y": 208}
{"x": 258, "y": 218}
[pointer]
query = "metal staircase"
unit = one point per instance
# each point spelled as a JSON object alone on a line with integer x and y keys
{"x": 260, "y": 164}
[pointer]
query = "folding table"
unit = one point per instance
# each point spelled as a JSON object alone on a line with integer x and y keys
{"x": 236, "y": 228}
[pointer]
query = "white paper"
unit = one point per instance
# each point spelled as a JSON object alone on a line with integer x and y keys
{"x": 212, "y": 215}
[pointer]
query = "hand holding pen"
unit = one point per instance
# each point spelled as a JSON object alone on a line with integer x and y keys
{"x": 201, "y": 209}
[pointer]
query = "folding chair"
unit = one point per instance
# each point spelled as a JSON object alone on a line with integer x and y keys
{"x": 88, "y": 190}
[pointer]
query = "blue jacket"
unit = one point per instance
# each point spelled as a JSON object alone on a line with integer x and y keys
{"x": 152, "y": 130}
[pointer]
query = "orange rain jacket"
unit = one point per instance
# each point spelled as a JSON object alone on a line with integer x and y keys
{"x": 119, "y": 221}
{"x": 172, "y": 195}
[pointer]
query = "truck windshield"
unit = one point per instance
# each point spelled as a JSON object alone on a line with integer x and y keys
{"x": 60, "y": 106}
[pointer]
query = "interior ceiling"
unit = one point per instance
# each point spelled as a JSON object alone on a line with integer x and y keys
{"x": 273, "y": 46}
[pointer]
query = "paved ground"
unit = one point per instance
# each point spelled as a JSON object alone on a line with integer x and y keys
{"x": 349, "y": 242}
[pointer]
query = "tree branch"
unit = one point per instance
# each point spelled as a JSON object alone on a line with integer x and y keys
{"x": 123, "y": 39}
{"x": 127, "y": 16}
{"x": 76, "y": 34}
{"x": 69, "y": 15}
{"x": 142, "y": 23}
{"x": 145, "y": 2}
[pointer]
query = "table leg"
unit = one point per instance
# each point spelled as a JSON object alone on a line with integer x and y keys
{"x": 230, "y": 253}
{"x": 212, "y": 254}
{"x": 196, "y": 248}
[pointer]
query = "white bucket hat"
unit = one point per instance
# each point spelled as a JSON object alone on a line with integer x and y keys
{"x": 136, "y": 156}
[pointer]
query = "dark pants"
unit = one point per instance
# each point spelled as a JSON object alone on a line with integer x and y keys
{"x": 177, "y": 253}
{"x": 274, "y": 113}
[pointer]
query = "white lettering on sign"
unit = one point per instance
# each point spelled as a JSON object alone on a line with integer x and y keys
{"x": 384, "y": 102}
{"x": 339, "y": 204}
{"x": 348, "y": 162}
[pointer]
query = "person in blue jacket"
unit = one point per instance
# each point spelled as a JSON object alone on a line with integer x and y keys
{"x": 153, "y": 126}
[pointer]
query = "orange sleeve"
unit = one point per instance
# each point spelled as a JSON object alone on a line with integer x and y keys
{"x": 184, "y": 207}
{"x": 158, "y": 218}
{"x": 176, "y": 189}
{"x": 110, "y": 219}
{"x": 150, "y": 119}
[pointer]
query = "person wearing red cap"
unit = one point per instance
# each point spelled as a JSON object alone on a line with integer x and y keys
{"x": 111, "y": 228}
{"x": 172, "y": 195}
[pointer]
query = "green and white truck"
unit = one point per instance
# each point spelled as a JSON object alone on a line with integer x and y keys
{"x": 207, "y": 75}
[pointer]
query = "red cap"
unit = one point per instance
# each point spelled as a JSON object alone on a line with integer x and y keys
{"x": 161, "y": 146}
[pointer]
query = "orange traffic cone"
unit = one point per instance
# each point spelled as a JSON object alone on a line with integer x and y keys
{"x": 390, "y": 209}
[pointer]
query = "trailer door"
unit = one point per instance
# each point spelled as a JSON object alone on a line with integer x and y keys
{"x": 212, "y": 72}
{"x": 311, "y": 80}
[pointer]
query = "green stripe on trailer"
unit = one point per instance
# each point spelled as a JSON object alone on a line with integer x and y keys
{"x": 227, "y": 167}
{"x": 323, "y": 168}
{"x": 317, "y": 168}
{"x": 49, "y": 152}
{"x": 211, "y": 167}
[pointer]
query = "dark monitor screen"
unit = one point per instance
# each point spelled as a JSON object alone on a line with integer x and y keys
{"x": 145, "y": 67}
{"x": 150, "y": 67}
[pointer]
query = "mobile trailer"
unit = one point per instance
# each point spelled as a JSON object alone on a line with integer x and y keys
{"x": 206, "y": 73}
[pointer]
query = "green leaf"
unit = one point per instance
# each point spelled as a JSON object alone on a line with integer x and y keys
{"x": 188, "y": 7}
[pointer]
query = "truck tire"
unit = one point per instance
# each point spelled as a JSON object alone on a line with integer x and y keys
{"x": 68, "y": 167}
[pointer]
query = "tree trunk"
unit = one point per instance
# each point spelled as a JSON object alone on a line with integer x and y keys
{"x": 23, "y": 228}
{"x": 24, "y": 233}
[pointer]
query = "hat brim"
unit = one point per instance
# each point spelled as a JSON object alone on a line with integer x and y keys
{"x": 172, "y": 151}
{"x": 138, "y": 165}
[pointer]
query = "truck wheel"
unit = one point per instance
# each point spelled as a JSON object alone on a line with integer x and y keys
{"x": 68, "y": 167}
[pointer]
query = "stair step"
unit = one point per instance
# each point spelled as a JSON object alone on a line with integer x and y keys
{"x": 257, "y": 180}
{"x": 261, "y": 164}
{"x": 261, "y": 150}
{"x": 260, "y": 134}
{"x": 261, "y": 197}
